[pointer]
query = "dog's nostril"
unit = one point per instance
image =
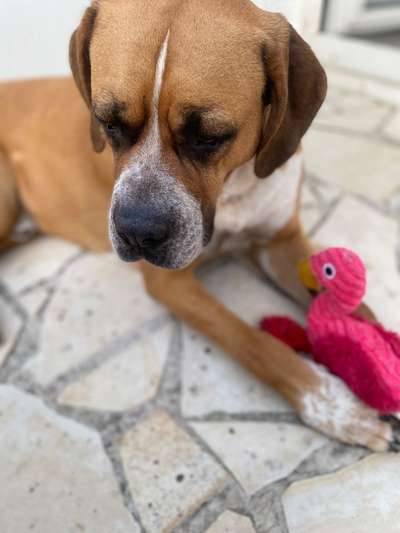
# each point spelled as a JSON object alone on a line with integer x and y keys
{"x": 141, "y": 228}
{"x": 152, "y": 238}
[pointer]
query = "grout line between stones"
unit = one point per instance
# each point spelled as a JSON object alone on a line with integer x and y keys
{"x": 107, "y": 353}
{"x": 327, "y": 215}
{"x": 54, "y": 277}
{"x": 115, "y": 459}
{"x": 169, "y": 392}
{"x": 229, "y": 498}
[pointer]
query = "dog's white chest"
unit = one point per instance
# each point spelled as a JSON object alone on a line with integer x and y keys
{"x": 251, "y": 209}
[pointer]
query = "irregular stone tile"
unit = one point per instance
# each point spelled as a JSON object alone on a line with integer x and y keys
{"x": 359, "y": 165}
{"x": 32, "y": 301}
{"x": 169, "y": 475}
{"x": 394, "y": 203}
{"x": 373, "y": 87}
{"x": 392, "y": 129}
{"x": 231, "y": 523}
{"x": 373, "y": 236}
{"x": 351, "y": 110}
{"x": 99, "y": 299}
{"x": 125, "y": 381}
{"x": 259, "y": 453}
{"x": 344, "y": 79}
{"x": 363, "y": 498}
{"x": 243, "y": 293}
{"x": 316, "y": 199}
{"x": 10, "y": 326}
{"x": 35, "y": 261}
{"x": 55, "y": 474}
{"x": 311, "y": 209}
{"x": 212, "y": 380}
{"x": 327, "y": 192}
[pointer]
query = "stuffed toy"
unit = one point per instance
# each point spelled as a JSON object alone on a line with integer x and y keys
{"x": 362, "y": 353}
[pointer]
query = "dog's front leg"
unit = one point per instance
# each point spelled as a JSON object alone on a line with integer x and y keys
{"x": 320, "y": 399}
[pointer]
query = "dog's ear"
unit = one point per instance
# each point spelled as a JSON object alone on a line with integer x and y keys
{"x": 79, "y": 59}
{"x": 295, "y": 90}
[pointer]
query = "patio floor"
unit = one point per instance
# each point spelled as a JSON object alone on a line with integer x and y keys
{"x": 114, "y": 417}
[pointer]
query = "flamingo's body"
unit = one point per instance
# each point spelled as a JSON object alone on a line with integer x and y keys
{"x": 362, "y": 353}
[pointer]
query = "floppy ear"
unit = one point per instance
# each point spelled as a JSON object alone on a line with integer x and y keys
{"x": 296, "y": 88}
{"x": 79, "y": 59}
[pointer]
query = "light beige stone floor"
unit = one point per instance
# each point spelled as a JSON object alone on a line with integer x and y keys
{"x": 114, "y": 417}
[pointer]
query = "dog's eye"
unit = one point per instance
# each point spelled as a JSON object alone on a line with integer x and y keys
{"x": 110, "y": 128}
{"x": 209, "y": 142}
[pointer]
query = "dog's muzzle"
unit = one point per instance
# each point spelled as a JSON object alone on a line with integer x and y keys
{"x": 141, "y": 231}
{"x": 156, "y": 220}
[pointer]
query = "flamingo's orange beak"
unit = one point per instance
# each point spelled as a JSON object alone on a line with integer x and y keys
{"x": 307, "y": 276}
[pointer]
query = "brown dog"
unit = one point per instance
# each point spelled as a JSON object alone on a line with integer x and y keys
{"x": 196, "y": 111}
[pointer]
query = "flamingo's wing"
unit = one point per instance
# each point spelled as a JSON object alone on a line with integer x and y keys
{"x": 391, "y": 338}
{"x": 367, "y": 364}
{"x": 288, "y": 331}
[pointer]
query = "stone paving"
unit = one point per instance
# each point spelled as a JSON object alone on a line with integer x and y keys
{"x": 115, "y": 417}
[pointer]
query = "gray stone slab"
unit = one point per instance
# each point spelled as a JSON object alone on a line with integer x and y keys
{"x": 99, "y": 300}
{"x": 55, "y": 476}
{"x": 363, "y": 166}
{"x": 230, "y": 522}
{"x": 259, "y": 453}
{"x": 362, "y": 498}
{"x": 352, "y": 111}
{"x": 169, "y": 475}
{"x": 10, "y": 326}
{"x": 35, "y": 261}
{"x": 127, "y": 380}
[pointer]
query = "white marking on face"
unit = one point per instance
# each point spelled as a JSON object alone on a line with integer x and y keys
{"x": 164, "y": 190}
{"x": 152, "y": 144}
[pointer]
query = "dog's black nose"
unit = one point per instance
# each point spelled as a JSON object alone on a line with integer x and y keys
{"x": 145, "y": 228}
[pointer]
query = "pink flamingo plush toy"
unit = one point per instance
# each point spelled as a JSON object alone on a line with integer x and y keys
{"x": 362, "y": 353}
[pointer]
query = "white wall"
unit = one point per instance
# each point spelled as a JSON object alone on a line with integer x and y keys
{"x": 34, "y": 34}
{"x": 305, "y": 15}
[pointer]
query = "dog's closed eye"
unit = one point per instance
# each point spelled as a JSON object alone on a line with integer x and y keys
{"x": 210, "y": 142}
{"x": 120, "y": 134}
{"x": 199, "y": 139}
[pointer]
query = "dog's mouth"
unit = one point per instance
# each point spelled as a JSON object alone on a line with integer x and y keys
{"x": 130, "y": 254}
{"x": 165, "y": 256}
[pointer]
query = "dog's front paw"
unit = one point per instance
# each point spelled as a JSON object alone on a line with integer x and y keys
{"x": 332, "y": 408}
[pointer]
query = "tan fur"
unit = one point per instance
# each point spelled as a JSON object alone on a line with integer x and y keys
{"x": 213, "y": 60}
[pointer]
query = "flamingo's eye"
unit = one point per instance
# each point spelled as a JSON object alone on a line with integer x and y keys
{"x": 329, "y": 271}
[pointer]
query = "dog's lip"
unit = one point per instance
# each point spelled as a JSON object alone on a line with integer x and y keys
{"x": 129, "y": 257}
{"x": 156, "y": 257}
{"x": 131, "y": 254}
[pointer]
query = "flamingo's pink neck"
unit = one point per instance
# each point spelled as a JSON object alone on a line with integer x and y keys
{"x": 331, "y": 304}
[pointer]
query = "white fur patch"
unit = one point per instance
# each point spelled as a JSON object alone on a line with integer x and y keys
{"x": 252, "y": 209}
{"x": 152, "y": 144}
{"x": 334, "y": 410}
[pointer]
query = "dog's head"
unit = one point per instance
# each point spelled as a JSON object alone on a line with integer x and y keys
{"x": 185, "y": 91}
